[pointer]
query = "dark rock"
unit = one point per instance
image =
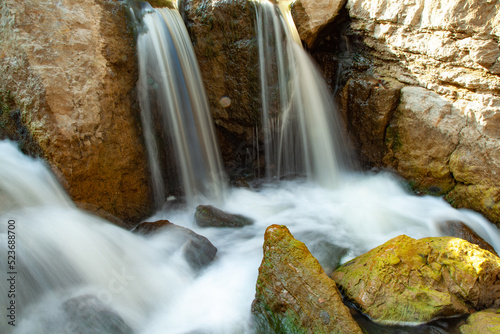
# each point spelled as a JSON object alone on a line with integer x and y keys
{"x": 208, "y": 216}
{"x": 198, "y": 250}
{"x": 87, "y": 314}
{"x": 293, "y": 293}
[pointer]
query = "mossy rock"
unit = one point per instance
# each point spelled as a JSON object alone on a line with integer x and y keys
{"x": 484, "y": 322}
{"x": 408, "y": 281}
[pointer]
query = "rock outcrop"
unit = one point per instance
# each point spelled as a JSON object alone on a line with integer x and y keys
{"x": 224, "y": 40}
{"x": 208, "y": 216}
{"x": 68, "y": 70}
{"x": 484, "y": 322}
{"x": 440, "y": 131}
{"x": 415, "y": 281}
{"x": 294, "y": 295}
{"x": 198, "y": 251}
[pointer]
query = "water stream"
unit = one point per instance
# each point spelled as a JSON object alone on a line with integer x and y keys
{"x": 77, "y": 273}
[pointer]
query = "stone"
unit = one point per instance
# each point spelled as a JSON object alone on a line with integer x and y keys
{"x": 198, "y": 251}
{"x": 208, "y": 216}
{"x": 225, "y": 43}
{"x": 420, "y": 138}
{"x": 484, "y": 322}
{"x": 87, "y": 314}
{"x": 311, "y": 17}
{"x": 68, "y": 68}
{"x": 460, "y": 230}
{"x": 293, "y": 293}
{"x": 408, "y": 281}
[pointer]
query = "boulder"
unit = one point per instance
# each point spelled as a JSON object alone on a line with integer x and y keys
{"x": 460, "y": 230}
{"x": 208, "y": 216}
{"x": 311, "y": 17}
{"x": 294, "y": 295}
{"x": 225, "y": 43}
{"x": 484, "y": 322}
{"x": 198, "y": 251}
{"x": 408, "y": 281}
{"x": 68, "y": 74}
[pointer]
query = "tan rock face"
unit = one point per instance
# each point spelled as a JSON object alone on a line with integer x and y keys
{"x": 294, "y": 295}
{"x": 311, "y": 17}
{"x": 484, "y": 322}
{"x": 415, "y": 281}
{"x": 225, "y": 44}
{"x": 70, "y": 69}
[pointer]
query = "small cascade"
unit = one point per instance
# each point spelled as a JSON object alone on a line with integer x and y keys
{"x": 301, "y": 132}
{"x": 174, "y": 110}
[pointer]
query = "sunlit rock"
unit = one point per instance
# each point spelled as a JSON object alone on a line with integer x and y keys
{"x": 484, "y": 322}
{"x": 410, "y": 281}
{"x": 294, "y": 295}
{"x": 69, "y": 69}
{"x": 208, "y": 216}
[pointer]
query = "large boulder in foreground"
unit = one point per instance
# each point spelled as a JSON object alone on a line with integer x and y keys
{"x": 68, "y": 71}
{"x": 294, "y": 295}
{"x": 484, "y": 322}
{"x": 415, "y": 281}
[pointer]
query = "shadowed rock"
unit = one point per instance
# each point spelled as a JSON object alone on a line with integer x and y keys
{"x": 208, "y": 216}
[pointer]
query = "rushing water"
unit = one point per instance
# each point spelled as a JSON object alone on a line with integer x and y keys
{"x": 174, "y": 109}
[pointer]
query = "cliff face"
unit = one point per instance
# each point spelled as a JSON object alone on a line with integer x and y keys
{"x": 419, "y": 87}
{"x": 69, "y": 72}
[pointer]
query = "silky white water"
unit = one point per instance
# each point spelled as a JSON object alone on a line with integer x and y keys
{"x": 174, "y": 109}
{"x": 64, "y": 253}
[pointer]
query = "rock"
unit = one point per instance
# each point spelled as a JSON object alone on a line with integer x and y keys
{"x": 68, "y": 68}
{"x": 311, "y": 17}
{"x": 208, "y": 216}
{"x": 87, "y": 314}
{"x": 197, "y": 250}
{"x": 484, "y": 322}
{"x": 460, "y": 230}
{"x": 294, "y": 295}
{"x": 225, "y": 43}
{"x": 415, "y": 281}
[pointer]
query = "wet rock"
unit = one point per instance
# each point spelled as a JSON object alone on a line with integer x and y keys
{"x": 311, "y": 17}
{"x": 198, "y": 250}
{"x": 460, "y": 230}
{"x": 225, "y": 43}
{"x": 294, "y": 295}
{"x": 415, "y": 281}
{"x": 484, "y": 322}
{"x": 71, "y": 76}
{"x": 208, "y": 216}
{"x": 87, "y": 314}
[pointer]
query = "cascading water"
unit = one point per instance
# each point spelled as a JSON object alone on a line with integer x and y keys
{"x": 300, "y": 125}
{"x": 76, "y": 273}
{"x": 174, "y": 108}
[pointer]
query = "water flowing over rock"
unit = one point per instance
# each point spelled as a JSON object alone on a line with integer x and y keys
{"x": 415, "y": 281}
{"x": 294, "y": 295}
{"x": 208, "y": 216}
{"x": 68, "y": 69}
{"x": 448, "y": 49}
{"x": 484, "y": 322}
{"x": 224, "y": 41}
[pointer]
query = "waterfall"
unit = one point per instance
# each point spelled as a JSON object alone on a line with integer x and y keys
{"x": 174, "y": 109}
{"x": 299, "y": 118}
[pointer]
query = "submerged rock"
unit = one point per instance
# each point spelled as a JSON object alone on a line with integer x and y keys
{"x": 208, "y": 216}
{"x": 87, "y": 314}
{"x": 484, "y": 322}
{"x": 198, "y": 251}
{"x": 293, "y": 293}
{"x": 415, "y": 281}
